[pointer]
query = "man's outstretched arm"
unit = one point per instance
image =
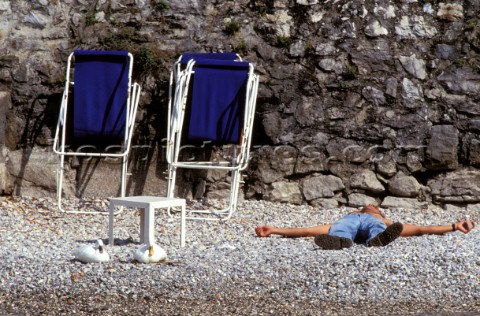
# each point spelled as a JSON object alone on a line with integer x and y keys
{"x": 265, "y": 231}
{"x": 418, "y": 230}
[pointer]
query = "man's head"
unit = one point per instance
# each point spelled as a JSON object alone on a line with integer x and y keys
{"x": 371, "y": 209}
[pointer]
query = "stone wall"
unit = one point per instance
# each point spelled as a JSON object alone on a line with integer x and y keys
{"x": 359, "y": 102}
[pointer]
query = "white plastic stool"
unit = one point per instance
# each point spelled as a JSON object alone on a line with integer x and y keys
{"x": 148, "y": 204}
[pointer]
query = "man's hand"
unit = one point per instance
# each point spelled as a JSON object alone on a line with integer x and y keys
{"x": 465, "y": 226}
{"x": 263, "y": 231}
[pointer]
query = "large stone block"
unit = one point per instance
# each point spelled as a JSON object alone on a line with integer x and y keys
{"x": 274, "y": 163}
{"x": 32, "y": 172}
{"x": 461, "y": 80}
{"x": 404, "y": 186}
{"x": 442, "y": 149}
{"x": 366, "y": 180}
{"x": 285, "y": 192}
{"x": 461, "y": 186}
{"x": 359, "y": 200}
{"x": 310, "y": 159}
{"x": 321, "y": 187}
{"x": 405, "y": 203}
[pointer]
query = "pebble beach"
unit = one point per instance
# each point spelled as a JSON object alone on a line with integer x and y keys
{"x": 225, "y": 269}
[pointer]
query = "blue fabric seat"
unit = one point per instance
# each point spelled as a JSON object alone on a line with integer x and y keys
{"x": 218, "y": 101}
{"x": 100, "y": 96}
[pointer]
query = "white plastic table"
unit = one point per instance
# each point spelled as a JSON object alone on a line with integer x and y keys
{"x": 147, "y": 204}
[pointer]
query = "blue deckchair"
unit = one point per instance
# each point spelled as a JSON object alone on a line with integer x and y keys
{"x": 101, "y": 89}
{"x": 218, "y": 98}
{"x": 104, "y": 106}
{"x": 212, "y": 100}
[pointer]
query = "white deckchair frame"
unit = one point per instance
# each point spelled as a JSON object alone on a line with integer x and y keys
{"x": 179, "y": 81}
{"x": 59, "y": 146}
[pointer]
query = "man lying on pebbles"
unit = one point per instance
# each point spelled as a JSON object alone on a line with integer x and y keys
{"x": 367, "y": 226}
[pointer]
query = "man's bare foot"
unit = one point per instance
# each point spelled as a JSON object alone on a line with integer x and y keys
{"x": 263, "y": 231}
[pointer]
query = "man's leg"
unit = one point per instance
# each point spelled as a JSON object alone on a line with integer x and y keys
{"x": 377, "y": 232}
{"x": 341, "y": 234}
{"x": 390, "y": 234}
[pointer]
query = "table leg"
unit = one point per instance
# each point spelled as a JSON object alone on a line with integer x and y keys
{"x": 110, "y": 223}
{"x": 182, "y": 226}
{"x": 142, "y": 225}
{"x": 149, "y": 225}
